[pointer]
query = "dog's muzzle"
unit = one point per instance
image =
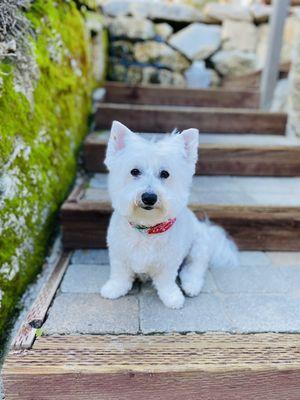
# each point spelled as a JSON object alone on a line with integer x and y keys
{"x": 148, "y": 200}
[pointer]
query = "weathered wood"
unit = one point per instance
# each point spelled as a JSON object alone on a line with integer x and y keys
{"x": 271, "y": 68}
{"x": 142, "y": 118}
{"x": 160, "y": 95}
{"x": 219, "y": 159}
{"x": 84, "y": 224}
{"x": 174, "y": 366}
{"x": 37, "y": 313}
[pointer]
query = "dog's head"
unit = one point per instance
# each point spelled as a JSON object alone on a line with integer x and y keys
{"x": 149, "y": 181}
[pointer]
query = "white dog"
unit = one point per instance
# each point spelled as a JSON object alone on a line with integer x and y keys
{"x": 151, "y": 230}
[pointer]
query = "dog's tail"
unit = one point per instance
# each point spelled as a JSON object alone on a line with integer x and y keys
{"x": 224, "y": 251}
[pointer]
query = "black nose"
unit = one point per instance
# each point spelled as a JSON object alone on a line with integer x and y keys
{"x": 149, "y": 199}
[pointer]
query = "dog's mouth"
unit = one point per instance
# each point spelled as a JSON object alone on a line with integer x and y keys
{"x": 148, "y": 208}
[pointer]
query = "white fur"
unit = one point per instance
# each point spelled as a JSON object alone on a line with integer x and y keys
{"x": 197, "y": 244}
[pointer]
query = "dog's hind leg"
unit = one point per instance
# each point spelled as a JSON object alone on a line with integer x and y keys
{"x": 193, "y": 271}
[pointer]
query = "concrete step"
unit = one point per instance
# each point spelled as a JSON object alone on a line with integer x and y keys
{"x": 157, "y": 118}
{"x": 260, "y": 213}
{"x": 246, "y": 155}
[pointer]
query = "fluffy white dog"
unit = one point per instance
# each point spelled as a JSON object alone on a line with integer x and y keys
{"x": 151, "y": 230}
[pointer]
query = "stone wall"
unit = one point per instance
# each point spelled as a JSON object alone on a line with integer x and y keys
{"x": 169, "y": 42}
{"x": 46, "y": 78}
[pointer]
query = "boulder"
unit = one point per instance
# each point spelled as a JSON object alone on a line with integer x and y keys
{"x": 163, "y": 30}
{"x": 198, "y": 76}
{"x": 261, "y": 12}
{"x": 131, "y": 27}
{"x": 217, "y": 13}
{"x": 160, "y": 54}
{"x": 234, "y": 40}
{"x": 234, "y": 62}
{"x": 121, "y": 49}
{"x": 197, "y": 41}
{"x": 116, "y": 8}
{"x": 162, "y": 77}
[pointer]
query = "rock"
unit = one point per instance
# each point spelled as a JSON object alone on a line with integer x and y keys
{"x": 116, "y": 7}
{"x": 198, "y": 76}
{"x": 132, "y": 28}
{"x": 234, "y": 40}
{"x": 165, "y": 10}
{"x": 163, "y": 77}
{"x": 117, "y": 72}
{"x": 234, "y": 63}
{"x": 215, "y": 12}
{"x": 279, "y": 103}
{"x": 261, "y": 12}
{"x": 287, "y": 45}
{"x": 134, "y": 74}
{"x": 197, "y": 41}
{"x": 160, "y": 54}
{"x": 163, "y": 30}
{"x": 121, "y": 49}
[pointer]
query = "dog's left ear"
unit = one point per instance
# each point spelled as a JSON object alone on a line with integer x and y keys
{"x": 119, "y": 135}
{"x": 190, "y": 139}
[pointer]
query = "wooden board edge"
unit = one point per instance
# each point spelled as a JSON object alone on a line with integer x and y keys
{"x": 38, "y": 310}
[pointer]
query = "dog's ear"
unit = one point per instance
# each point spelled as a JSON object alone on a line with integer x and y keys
{"x": 190, "y": 139}
{"x": 119, "y": 135}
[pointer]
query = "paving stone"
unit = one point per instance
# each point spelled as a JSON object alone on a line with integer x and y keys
{"x": 254, "y": 258}
{"x": 250, "y": 279}
{"x": 200, "y": 314}
{"x": 263, "y": 313}
{"x": 282, "y": 259}
{"x": 291, "y": 278}
{"x": 91, "y": 314}
{"x": 85, "y": 278}
{"x": 91, "y": 256}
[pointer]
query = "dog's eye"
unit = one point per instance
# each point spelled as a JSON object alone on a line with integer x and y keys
{"x": 135, "y": 172}
{"x": 164, "y": 174}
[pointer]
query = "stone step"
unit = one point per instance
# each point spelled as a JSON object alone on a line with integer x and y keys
{"x": 116, "y": 92}
{"x": 259, "y": 213}
{"x": 245, "y": 155}
{"x": 157, "y": 118}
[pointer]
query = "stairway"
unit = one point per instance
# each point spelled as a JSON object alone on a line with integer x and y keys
{"x": 73, "y": 344}
{"x": 247, "y": 175}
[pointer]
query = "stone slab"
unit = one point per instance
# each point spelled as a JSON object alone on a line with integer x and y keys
{"x": 282, "y": 259}
{"x": 200, "y": 314}
{"x": 77, "y": 313}
{"x": 263, "y": 312}
{"x": 90, "y": 256}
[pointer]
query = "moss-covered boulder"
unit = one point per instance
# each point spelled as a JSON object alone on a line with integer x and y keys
{"x": 45, "y": 85}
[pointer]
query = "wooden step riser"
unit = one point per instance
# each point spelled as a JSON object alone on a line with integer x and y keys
{"x": 157, "y": 95}
{"x": 235, "y": 160}
{"x": 253, "y": 228}
{"x": 165, "y": 119}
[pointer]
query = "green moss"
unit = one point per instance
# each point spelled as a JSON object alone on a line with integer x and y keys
{"x": 39, "y": 142}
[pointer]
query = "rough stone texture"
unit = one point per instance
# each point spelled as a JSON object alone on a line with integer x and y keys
{"x": 239, "y": 35}
{"x": 122, "y": 49}
{"x": 280, "y": 99}
{"x": 132, "y": 27}
{"x": 160, "y": 54}
{"x": 90, "y": 313}
{"x": 44, "y": 104}
{"x": 85, "y": 278}
{"x": 163, "y": 30}
{"x": 93, "y": 256}
{"x": 261, "y": 12}
{"x": 197, "y": 41}
{"x": 234, "y": 63}
{"x": 294, "y": 82}
{"x": 284, "y": 259}
{"x": 163, "y": 77}
{"x": 216, "y": 12}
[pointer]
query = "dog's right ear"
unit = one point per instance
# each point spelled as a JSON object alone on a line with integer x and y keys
{"x": 119, "y": 135}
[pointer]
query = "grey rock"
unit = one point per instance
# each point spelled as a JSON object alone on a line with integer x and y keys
{"x": 261, "y": 12}
{"x": 163, "y": 77}
{"x": 116, "y": 7}
{"x": 121, "y": 49}
{"x": 197, "y": 41}
{"x": 239, "y": 35}
{"x": 234, "y": 62}
{"x": 216, "y": 12}
{"x": 163, "y": 30}
{"x": 198, "y": 76}
{"x": 73, "y": 313}
{"x": 132, "y": 28}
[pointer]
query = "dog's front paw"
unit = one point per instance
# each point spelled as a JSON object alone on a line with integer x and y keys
{"x": 172, "y": 299}
{"x": 114, "y": 289}
{"x": 190, "y": 285}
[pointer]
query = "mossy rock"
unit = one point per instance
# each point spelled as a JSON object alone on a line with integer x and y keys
{"x": 40, "y": 133}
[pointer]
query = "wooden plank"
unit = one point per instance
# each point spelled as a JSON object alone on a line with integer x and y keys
{"x": 195, "y": 366}
{"x": 219, "y": 159}
{"x": 160, "y": 95}
{"x": 84, "y": 225}
{"x": 271, "y": 68}
{"x": 155, "y": 119}
{"x": 37, "y": 313}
